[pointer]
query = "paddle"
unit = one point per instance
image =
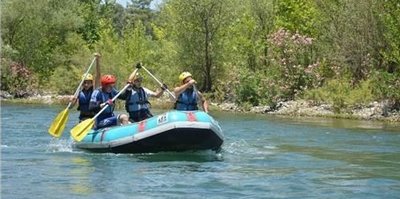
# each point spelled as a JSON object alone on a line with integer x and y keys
{"x": 82, "y": 129}
{"x": 159, "y": 82}
{"x": 197, "y": 91}
{"x": 57, "y": 127}
{"x": 197, "y": 96}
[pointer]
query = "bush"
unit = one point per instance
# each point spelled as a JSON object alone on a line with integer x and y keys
{"x": 257, "y": 88}
{"x": 17, "y": 79}
{"x": 385, "y": 86}
{"x": 341, "y": 94}
{"x": 247, "y": 90}
{"x": 65, "y": 80}
{"x": 294, "y": 58}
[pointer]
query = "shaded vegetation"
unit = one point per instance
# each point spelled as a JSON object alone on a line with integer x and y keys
{"x": 252, "y": 52}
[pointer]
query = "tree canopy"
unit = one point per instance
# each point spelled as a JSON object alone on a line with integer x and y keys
{"x": 251, "y": 52}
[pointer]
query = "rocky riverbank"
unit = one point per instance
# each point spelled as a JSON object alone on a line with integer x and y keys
{"x": 299, "y": 108}
{"x": 35, "y": 99}
{"x": 372, "y": 111}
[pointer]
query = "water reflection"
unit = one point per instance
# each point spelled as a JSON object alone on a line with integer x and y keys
{"x": 81, "y": 171}
{"x": 198, "y": 156}
{"x": 338, "y": 123}
{"x": 355, "y": 165}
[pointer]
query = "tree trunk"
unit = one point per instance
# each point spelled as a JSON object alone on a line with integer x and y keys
{"x": 97, "y": 82}
{"x": 208, "y": 60}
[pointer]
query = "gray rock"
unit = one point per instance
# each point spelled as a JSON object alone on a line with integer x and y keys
{"x": 260, "y": 109}
{"x": 229, "y": 107}
{"x": 5, "y": 95}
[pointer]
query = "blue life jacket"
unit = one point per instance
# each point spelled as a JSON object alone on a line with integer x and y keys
{"x": 100, "y": 97}
{"x": 137, "y": 100}
{"x": 187, "y": 101}
{"x": 84, "y": 100}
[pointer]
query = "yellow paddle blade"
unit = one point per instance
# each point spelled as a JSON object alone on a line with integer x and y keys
{"x": 57, "y": 127}
{"x": 82, "y": 129}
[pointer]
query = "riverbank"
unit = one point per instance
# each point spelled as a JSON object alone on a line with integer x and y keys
{"x": 52, "y": 99}
{"x": 302, "y": 108}
{"x": 299, "y": 108}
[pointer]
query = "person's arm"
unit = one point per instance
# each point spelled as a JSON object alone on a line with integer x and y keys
{"x": 73, "y": 100}
{"x": 159, "y": 93}
{"x": 94, "y": 104}
{"x": 178, "y": 90}
{"x": 203, "y": 101}
{"x": 121, "y": 97}
{"x": 156, "y": 94}
{"x": 149, "y": 92}
{"x": 125, "y": 94}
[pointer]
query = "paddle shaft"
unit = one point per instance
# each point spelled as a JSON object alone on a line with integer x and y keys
{"x": 197, "y": 93}
{"x": 158, "y": 81}
{"x": 198, "y": 98}
{"x": 113, "y": 99}
{"x": 83, "y": 79}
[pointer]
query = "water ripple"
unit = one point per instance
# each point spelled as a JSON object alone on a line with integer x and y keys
{"x": 59, "y": 145}
{"x": 262, "y": 157}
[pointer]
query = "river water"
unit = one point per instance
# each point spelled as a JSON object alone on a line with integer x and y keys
{"x": 262, "y": 157}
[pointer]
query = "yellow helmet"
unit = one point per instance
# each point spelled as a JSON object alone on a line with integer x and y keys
{"x": 184, "y": 75}
{"x": 88, "y": 77}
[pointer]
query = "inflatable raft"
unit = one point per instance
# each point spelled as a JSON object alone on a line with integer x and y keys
{"x": 171, "y": 131}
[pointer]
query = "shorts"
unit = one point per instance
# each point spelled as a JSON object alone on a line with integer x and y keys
{"x": 85, "y": 115}
{"x": 107, "y": 122}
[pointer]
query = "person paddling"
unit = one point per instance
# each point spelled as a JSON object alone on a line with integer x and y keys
{"x": 188, "y": 96}
{"x": 84, "y": 98}
{"x": 137, "y": 104}
{"x": 85, "y": 94}
{"x": 103, "y": 96}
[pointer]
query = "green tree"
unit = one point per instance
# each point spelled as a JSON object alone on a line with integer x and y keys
{"x": 391, "y": 19}
{"x": 248, "y": 35}
{"x": 198, "y": 29}
{"x": 89, "y": 11}
{"x": 352, "y": 36}
{"x": 297, "y": 16}
{"x": 138, "y": 13}
{"x": 39, "y": 32}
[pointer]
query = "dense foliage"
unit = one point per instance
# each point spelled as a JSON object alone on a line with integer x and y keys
{"x": 252, "y": 52}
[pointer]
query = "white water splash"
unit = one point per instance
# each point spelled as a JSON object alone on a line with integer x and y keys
{"x": 237, "y": 147}
{"x": 219, "y": 156}
{"x": 242, "y": 147}
{"x": 59, "y": 145}
{"x": 270, "y": 147}
{"x": 4, "y": 146}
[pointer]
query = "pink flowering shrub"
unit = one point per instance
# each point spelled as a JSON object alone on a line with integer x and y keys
{"x": 294, "y": 57}
{"x": 17, "y": 79}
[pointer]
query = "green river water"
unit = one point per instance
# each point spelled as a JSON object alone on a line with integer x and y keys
{"x": 262, "y": 157}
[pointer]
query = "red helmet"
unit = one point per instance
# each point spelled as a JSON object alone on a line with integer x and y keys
{"x": 108, "y": 79}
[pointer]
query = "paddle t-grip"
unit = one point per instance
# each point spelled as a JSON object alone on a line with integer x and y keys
{"x": 139, "y": 65}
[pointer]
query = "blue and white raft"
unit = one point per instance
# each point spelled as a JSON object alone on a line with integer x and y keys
{"x": 171, "y": 131}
